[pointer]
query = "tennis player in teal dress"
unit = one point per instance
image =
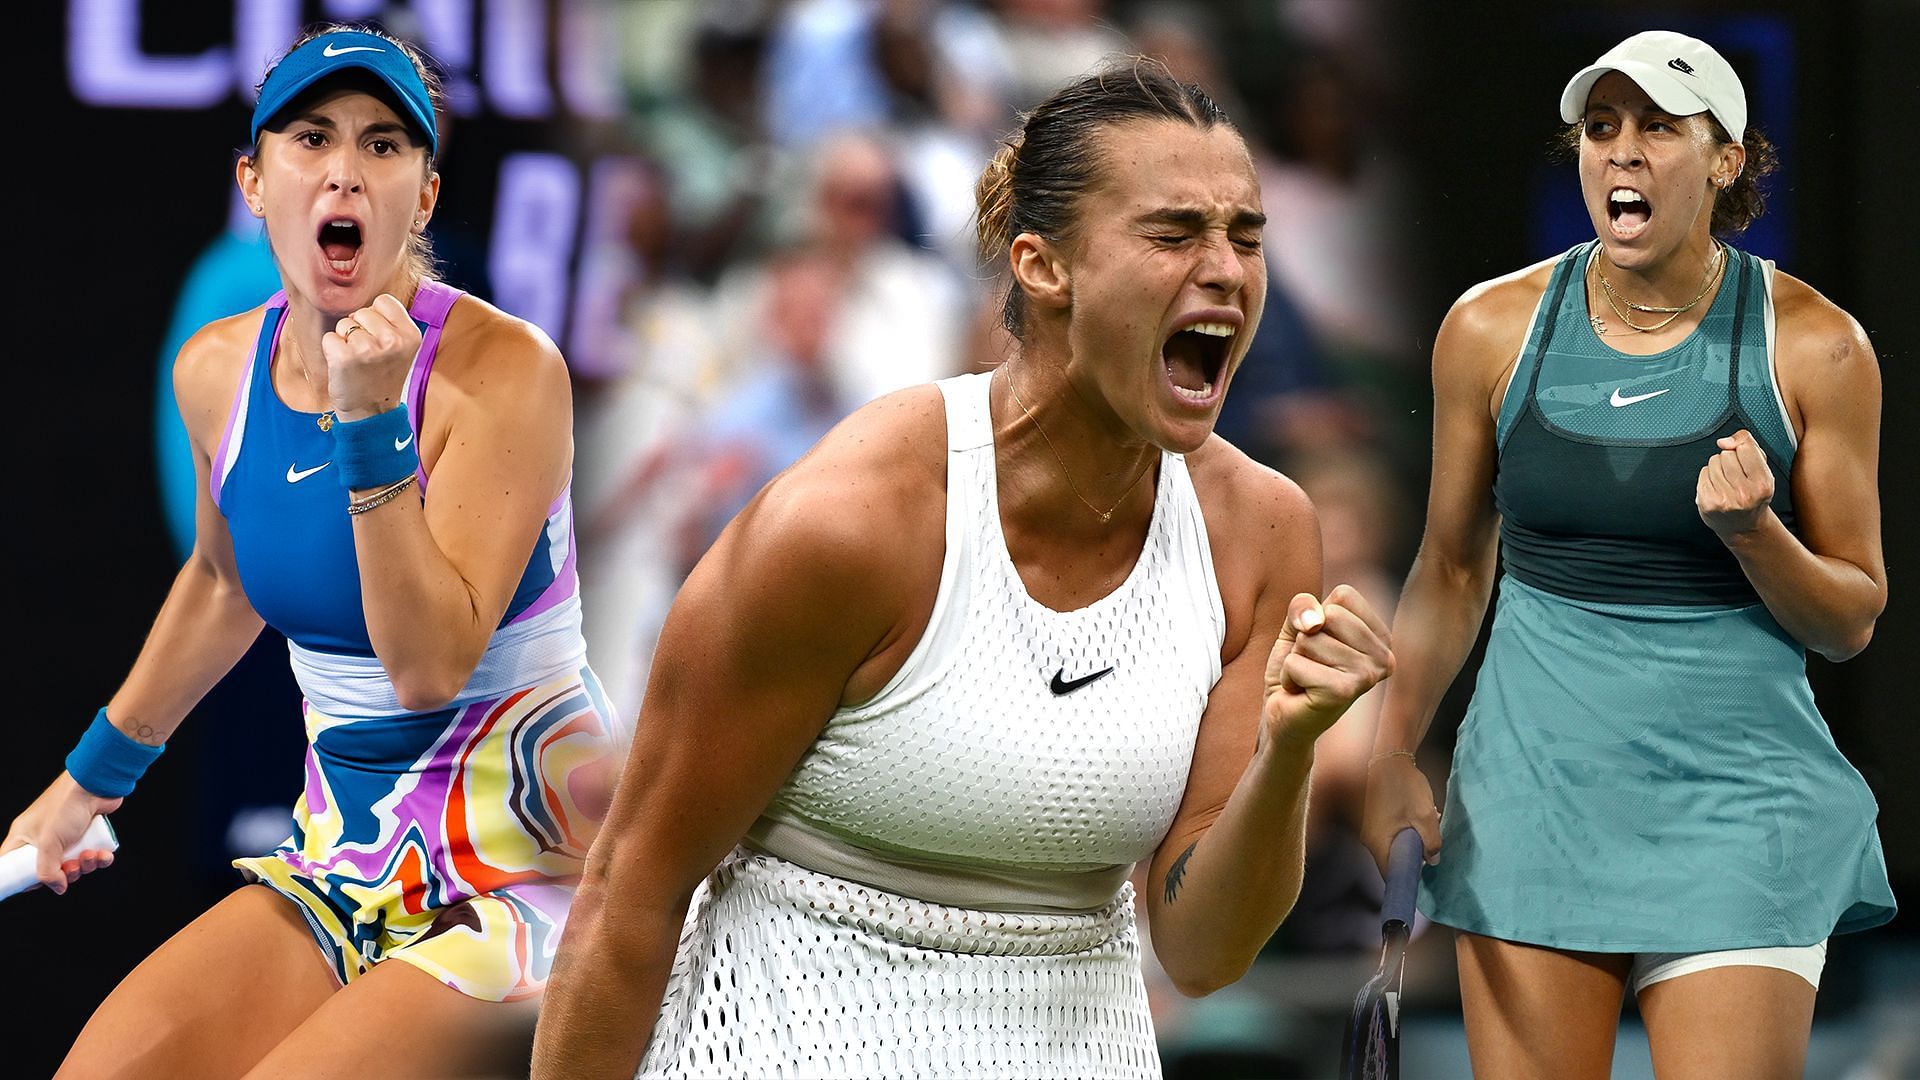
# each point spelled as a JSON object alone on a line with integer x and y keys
{"x": 1675, "y": 446}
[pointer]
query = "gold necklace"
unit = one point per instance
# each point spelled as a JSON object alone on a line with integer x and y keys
{"x": 326, "y": 418}
{"x": 1715, "y": 266}
{"x": 1105, "y": 515}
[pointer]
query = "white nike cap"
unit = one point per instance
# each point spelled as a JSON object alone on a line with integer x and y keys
{"x": 1682, "y": 75}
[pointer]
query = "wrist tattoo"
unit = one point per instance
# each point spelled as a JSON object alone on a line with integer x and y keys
{"x": 1178, "y": 872}
{"x": 148, "y": 734}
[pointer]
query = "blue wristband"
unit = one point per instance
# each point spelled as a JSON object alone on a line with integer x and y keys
{"x": 375, "y": 452}
{"x": 108, "y": 763}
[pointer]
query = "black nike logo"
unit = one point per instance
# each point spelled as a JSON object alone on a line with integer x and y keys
{"x": 1063, "y": 685}
{"x": 1680, "y": 66}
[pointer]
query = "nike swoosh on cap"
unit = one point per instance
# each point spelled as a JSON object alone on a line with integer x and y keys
{"x": 295, "y": 474}
{"x": 1063, "y": 685}
{"x": 1619, "y": 399}
{"x": 332, "y": 50}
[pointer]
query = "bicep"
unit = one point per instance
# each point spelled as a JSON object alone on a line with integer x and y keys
{"x": 1469, "y": 361}
{"x": 1836, "y": 467}
{"x": 506, "y": 458}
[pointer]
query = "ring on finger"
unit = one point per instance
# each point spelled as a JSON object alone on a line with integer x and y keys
{"x": 351, "y": 327}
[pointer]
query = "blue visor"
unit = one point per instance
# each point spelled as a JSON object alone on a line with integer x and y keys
{"x": 347, "y": 50}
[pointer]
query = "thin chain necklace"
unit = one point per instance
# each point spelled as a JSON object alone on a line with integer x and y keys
{"x": 1715, "y": 266}
{"x": 325, "y": 419}
{"x": 1104, "y": 515}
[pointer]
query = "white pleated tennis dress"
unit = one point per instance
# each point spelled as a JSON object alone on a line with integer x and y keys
{"x": 940, "y": 887}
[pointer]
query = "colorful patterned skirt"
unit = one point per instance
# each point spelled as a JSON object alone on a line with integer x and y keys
{"x": 452, "y": 839}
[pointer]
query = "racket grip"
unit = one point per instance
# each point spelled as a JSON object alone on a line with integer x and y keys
{"x": 16, "y": 866}
{"x": 1403, "y": 877}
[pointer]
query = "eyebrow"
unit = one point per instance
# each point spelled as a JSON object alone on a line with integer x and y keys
{"x": 1651, "y": 109}
{"x": 378, "y": 127}
{"x": 1193, "y": 217}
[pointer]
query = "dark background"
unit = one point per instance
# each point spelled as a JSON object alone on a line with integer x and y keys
{"x": 117, "y": 202}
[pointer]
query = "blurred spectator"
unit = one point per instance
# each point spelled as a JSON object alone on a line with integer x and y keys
{"x": 1048, "y": 42}
{"x": 949, "y": 80}
{"x": 785, "y": 406}
{"x": 672, "y": 368}
{"x": 707, "y": 133}
{"x": 672, "y": 470}
{"x": 1333, "y": 202}
{"x": 823, "y": 73}
{"x": 900, "y": 323}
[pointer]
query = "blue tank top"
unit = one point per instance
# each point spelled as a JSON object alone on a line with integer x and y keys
{"x": 287, "y": 512}
{"x": 1600, "y": 452}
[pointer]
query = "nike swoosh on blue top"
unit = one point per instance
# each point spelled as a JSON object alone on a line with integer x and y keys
{"x": 295, "y": 474}
{"x": 1063, "y": 685}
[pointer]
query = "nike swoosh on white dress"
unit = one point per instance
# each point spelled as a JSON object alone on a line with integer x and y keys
{"x": 1618, "y": 400}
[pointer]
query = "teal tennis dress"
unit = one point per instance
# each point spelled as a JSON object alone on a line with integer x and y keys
{"x": 1642, "y": 768}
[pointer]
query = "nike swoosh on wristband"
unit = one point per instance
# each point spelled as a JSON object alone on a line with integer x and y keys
{"x": 295, "y": 475}
{"x": 1063, "y": 685}
{"x": 402, "y": 444}
{"x": 1618, "y": 399}
{"x": 334, "y": 51}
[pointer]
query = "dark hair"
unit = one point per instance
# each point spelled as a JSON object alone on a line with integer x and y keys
{"x": 419, "y": 249}
{"x": 1735, "y": 206}
{"x": 1036, "y": 179}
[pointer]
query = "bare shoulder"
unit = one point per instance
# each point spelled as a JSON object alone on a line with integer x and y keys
{"x": 1262, "y": 529}
{"x": 1490, "y": 319}
{"x": 208, "y": 369}
{"x": 854, "y": 529}
{"x": 877, "y": 481}
{"x": 1813, "y": 335}
{"x": 1248, "y": 500}
{"x": 484, "y": 349}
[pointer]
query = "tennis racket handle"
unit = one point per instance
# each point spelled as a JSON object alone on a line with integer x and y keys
{"x": 1403, "y": 877}
{"x": 16, "y": 866}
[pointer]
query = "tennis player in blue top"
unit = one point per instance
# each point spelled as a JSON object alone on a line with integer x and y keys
{"x": 383, "y": 470}
{"x": 1672, "y": 448}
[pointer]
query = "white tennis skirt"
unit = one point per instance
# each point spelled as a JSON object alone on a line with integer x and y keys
{"x": 784, "y": 972}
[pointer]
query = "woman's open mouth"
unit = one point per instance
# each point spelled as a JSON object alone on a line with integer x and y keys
{"x": 1195, "y": 357}
{"x": 1628, "y": 212}
{"x": 339, "y": 241}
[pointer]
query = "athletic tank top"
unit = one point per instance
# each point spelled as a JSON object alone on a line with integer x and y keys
{"x": 1044, "y": 751}
{"x": 287, "y": 512}
{"x": 1600, "y": 452}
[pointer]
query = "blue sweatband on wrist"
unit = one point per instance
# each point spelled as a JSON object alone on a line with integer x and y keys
{"x": 107, "y": 762}
{"x": 375, "y": 452}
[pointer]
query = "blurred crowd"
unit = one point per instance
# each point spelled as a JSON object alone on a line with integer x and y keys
{"x": 798, "y": 239}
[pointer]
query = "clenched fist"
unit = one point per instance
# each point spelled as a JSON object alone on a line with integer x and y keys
{"x": 1735, "y": 486}
{"x": 1328, "y": 654}
{"x": 368, "y": 354}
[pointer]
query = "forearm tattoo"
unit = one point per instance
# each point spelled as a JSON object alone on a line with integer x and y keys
{"x": 1178, "y": 872}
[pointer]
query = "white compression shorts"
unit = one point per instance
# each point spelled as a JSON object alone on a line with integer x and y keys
{"x": 1805, "y": 961}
